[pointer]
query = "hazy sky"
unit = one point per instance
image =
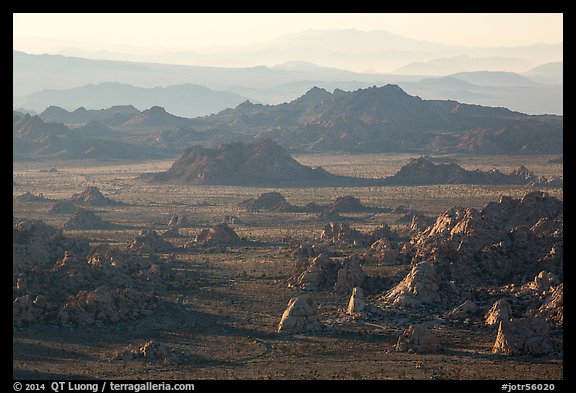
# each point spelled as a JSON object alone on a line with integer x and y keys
{"x": 149, "y": 33}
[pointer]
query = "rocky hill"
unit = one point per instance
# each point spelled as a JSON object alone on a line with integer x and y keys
{"x": 420, "y": 171}
{"x": 267, "y": 163}
{"x": 259, "y": 163}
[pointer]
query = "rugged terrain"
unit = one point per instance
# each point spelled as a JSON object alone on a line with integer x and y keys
{"x": 275, "y": 293}
{"x": 370, "y": 120}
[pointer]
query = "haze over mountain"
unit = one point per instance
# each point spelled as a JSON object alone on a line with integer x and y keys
{"x": 274, "y": 85}
{"x": 351, "y": 49}
{"x": 184, "y": 100}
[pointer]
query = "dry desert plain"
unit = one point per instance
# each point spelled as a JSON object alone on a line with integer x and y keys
{"x": 219, "y": 320}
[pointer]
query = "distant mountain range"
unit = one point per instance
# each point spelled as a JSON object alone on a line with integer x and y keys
{"x": 184, "y": 100}
{"x": 376, "y": 119}
{"x": 40, "y": 81}
{"x": 351, "y": 49}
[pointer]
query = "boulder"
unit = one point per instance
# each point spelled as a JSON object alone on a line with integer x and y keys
{"x": 320, "y": 274}
{"x": 552, "y": 309}
{"x": 356, "y": 303}
{"x": 384, "y": 252}
{"x": 171, "y": 232}
{"x": 421, "y": 285}
{"x": 268, "y": 201}
{"x": 300, "y": 315}
{"x": 347, "y": 203}
{"x": 341, "y": 232}
{"x": 417, "y": 338}
{"x": 104, "y": 305}
{"x": 500, "y": 311}
{"x": 525, "y": 336}
{"x": 350, "y": 275}
{"x": 219, "y": 234}
{"x": 150, "y": 241}
{"x": 543, "y": 281}
{"x": 463, "y": 311}
{"x": 178, "y": 221}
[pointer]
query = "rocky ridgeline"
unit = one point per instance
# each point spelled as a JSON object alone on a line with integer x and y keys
{"x": 501, "y": 243}
{"x": 64, "y": 281}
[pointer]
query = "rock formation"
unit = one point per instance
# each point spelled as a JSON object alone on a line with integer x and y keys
{"x": 525, "y": 336}
{"x": 500, "y": 311}
{"x": 552, "y": 309}
{"x": 421, "y": 285}
{"x": 300, "y": 315}
{"x": 356, "y": 303}
{"x": 350, "y": 275}
{"x": 417, "y": 338}
{"x": 150, "y": 241}
{"x": 262, "y": 163}
{"x": 268, "y": 201}
{"x": 347, "y": 203}
{"x": 383, "y": 252}
{"x": 37, "y": 244}
{"x": 341, "y": 232}
{"x": 178, "y": 221}
{"x": 463, "y": 311}
{"x": 29, "y": 197}
{"x": 104, "y": 305}
{"x": 92, "y": 196}
{"x": 420, "y": 171}
{"x": 63, "y": 207}
{"x": 86, "y": 219}
{"x": 320, "y": 274}
{"x": 219, "y": 234}
{"x": 496, "y": 244}
{"x": 151, "y": 351}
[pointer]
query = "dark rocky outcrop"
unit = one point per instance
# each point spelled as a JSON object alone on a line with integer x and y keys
{"x": 262, "y": 163}
{"x": 86, "y": 219}
{"x": 92, "y": 196}
{"x": 268, "y": 201}
{"x": 421, "y": 171}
